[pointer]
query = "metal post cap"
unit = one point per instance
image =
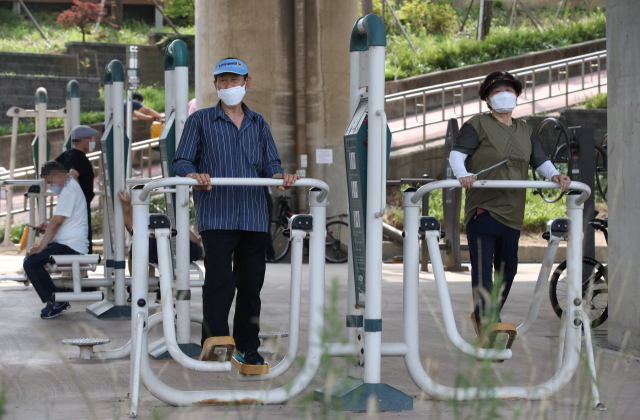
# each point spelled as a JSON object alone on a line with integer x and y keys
{"x": 73, "y": 89}
{"x": 41, "y": 95}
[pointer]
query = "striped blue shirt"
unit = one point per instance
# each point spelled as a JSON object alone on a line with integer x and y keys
{"x": 211, "y": 143}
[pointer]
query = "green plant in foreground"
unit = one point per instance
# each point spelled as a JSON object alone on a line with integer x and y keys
{"x": 597, "y": 101}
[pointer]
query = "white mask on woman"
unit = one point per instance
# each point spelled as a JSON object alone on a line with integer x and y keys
{"x": 92, "y": 146}
{"x": 232, "y": 96}
{"x": 503, "y": 102}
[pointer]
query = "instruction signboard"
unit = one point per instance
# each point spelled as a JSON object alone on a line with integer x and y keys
{"x": 355, "y": 149}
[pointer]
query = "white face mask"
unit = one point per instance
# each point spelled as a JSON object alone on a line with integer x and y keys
{"x": 503, "y": 102}
{"x": 92, "y": 145}
{"x": 55, "y": 189}
{"x": 232, "y": 96}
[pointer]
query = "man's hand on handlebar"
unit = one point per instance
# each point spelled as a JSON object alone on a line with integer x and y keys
{"x": 289, "y": 179}
{"x": 203, "y": 179}
{"x": 467, "y": 181}
{"x": 563, "y": 180}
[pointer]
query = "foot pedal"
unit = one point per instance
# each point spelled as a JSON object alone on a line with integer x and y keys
{"x": 218, "y": 349}
{"x": 270, "y": 341}
{"x": 250, "y": 369}
{"x": 501, "y": 335}
{"x": 86, "y": 345}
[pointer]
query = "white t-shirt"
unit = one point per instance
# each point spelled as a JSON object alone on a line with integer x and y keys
{"x": 73, "y": 206}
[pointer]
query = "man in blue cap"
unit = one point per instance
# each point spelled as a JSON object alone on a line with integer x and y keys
{"x": 75, "y": 161}
{"x": 231, "y": 141}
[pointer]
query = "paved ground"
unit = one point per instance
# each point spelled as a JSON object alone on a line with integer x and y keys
{"x": 42, "y": 379}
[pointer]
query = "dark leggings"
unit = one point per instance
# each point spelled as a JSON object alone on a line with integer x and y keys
{"x": 492, "y": 246}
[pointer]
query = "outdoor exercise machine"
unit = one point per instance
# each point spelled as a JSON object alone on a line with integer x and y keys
{"x": 144, "y": 225}
{"x": 71, "y": 117}
{"x": 365, "y": 285}
{"x": 576, "y": 319}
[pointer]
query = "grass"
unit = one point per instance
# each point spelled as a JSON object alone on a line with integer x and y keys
{"x": 597, "y": 101}
{"x": 438, "y": 52}
{"x": 17, "y": 33}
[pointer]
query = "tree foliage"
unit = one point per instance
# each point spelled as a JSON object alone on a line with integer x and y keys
{"x": 436, "y": 18}
{"x": 182, "y": 11}
{"x": 83, "y": 15}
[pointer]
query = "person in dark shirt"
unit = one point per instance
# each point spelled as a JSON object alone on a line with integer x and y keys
{"x": 140, "y": 111}
{"x": 76, "y": 162}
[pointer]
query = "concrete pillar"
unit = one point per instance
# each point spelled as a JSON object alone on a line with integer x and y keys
{"x": 623, "y": 62}
{"x": 265, "y": 44}
{"x": 16, "y": 8}
{"x": 159, "y": 20}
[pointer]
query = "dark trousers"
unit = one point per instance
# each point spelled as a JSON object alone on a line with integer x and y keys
{"x": 37, "y": 274}
{"x": 90, "y": 233}
{"x": 270, "y": 253}
{"x": 492, "y": 246}
{"x": 234, "y": 259}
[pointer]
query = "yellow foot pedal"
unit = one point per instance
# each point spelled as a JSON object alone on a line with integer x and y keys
{"x": 501, "y": 337}
{"x": 218, "y": 349}
{"x": 247, "y": 369}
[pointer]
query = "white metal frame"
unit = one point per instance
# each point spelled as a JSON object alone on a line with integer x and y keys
{"x": 141, "y": 231}
{"x": 569, "y": 351}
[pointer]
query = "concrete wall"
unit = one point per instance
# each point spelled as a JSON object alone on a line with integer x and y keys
{"x": 20, "y": 91}
{"x": 268, "y": 51}
{"x": 623, "y": 33}
{"x": 32, "y": 64}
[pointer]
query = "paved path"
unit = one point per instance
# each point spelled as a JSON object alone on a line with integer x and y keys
{"x": 438, "y": 130}
{"x": 43, "y": 379}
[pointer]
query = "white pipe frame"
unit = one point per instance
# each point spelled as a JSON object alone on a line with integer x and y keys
{"x": 376, "y": 202}
{"x": 318, "y": 203}
{"x": 118, "y": 177}
{"x": 571, "y": 330}
{"x": 41, "y": 123}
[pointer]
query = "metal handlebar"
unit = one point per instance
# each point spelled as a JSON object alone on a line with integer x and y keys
{"x": 453, "y": 183}
{"x": 256, "y": 182}
{"x": 22, "y": 182}
{"x": 383, "y": 176}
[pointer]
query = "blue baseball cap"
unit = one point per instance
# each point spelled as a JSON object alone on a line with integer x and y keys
{"x": 231, "y": 65}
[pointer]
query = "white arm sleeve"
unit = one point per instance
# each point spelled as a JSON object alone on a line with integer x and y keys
{"x": 456, "y": 160}
{"x": 547, "y": 170}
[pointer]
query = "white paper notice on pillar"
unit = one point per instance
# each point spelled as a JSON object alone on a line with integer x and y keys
{"x": 324, "y": 156}
{"x": 303, "y": 161}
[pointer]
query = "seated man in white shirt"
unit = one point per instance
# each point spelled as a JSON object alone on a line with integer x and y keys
{"x": 65, "y": 234}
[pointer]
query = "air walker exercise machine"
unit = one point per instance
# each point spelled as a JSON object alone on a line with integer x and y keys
{"x": 367, "y": 79}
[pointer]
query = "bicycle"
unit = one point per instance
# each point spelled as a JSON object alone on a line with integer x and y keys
{"x": 595, "y": 283}
{"x": 563, "y": 153}
{"x": 336, "y": 247}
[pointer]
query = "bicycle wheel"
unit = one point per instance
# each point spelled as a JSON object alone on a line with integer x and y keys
{"x": 337, "y": 242}
{"x": 602, "y": 169}
{"x": 280, "y": 243}
{"x": 595, "y": 292}
{"x": 558, "y": 151}
{"x": 552, "y": 195}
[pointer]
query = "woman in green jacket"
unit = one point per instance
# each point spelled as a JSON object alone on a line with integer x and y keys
{"x": 494, "y": 217}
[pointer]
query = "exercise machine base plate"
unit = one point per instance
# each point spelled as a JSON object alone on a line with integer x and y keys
{"x": 107, "y": 310}
{"x": 456, "y": 268}
{"x": 190, "y": 349}
{"x": 349, "y": 394}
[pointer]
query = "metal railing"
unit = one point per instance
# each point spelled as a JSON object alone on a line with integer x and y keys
{"x": 557, "y": 75}
{"x": 144, "y": 147}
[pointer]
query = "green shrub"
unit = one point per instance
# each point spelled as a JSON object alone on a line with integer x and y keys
{"x": 597, "y": 101}
{"x": 16, "y": 232}
{"x": 436, "y": 52}
{"x": 433, "y": 17}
